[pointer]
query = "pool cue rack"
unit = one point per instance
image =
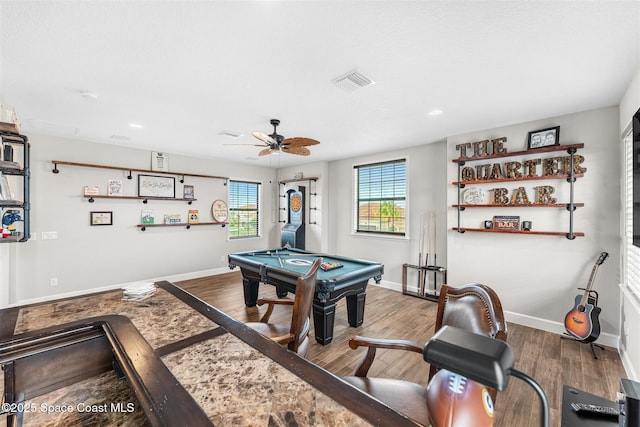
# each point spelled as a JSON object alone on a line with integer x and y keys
{"x": 427, "y": 275}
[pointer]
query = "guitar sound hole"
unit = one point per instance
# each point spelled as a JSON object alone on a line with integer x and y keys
{"x": 581, "y": 308}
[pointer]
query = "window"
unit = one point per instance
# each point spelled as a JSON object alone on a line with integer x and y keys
{"x": 632, "y": 258}
{"x": 381, "y": 191}
{"x": 244, "y": 209}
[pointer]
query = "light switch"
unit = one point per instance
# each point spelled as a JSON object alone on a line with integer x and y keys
{"x": 49, "y": 235}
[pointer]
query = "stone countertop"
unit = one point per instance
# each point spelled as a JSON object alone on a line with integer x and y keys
{"x": 234, "y": 374}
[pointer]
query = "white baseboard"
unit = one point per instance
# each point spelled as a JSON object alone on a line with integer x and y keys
{"x": 174, "y": 278}
{"x": 607, "y": 339}
{"x": 610, "y": 340}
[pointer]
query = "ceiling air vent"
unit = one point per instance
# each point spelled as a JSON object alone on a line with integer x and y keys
{"x": 353, "y": 80}
{"x": 231, "y": 133}
{"x": 120, "y": 138}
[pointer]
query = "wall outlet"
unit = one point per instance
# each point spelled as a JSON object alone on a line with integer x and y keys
{"x": 49, "y": 235}
{"x": 53, "y": 281}
{"x": 223, "y": 258}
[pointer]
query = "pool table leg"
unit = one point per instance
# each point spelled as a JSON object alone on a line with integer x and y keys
{"x": 324, "y": 316}
{"x": 355, "y": 309}
{"x": 250, "y": 292}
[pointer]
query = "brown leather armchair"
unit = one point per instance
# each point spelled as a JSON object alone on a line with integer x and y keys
{"x": 473, "y": 307}
{"x": 296, "y": 334}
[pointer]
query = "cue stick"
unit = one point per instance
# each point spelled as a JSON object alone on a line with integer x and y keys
{"x": 435, "y": 254}
{"x": 426, "y": 259}
{"x": 279, "y": 255}
{"x": 430, "y": 222}
{"x": 420, "y": 252}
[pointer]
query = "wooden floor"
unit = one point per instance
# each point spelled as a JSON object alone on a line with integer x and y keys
{"x": 546, "y": 357}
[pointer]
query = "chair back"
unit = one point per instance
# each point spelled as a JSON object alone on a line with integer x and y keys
{"x": 301, "y": 316}
{"x": 475, "y": 308}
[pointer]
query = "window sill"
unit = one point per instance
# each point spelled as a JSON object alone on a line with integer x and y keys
{"x": 379, "y": 236}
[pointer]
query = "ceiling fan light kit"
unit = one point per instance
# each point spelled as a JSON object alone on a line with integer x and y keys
{"x": 275, "y": 143}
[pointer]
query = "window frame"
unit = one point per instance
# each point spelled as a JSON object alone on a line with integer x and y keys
{"x": 257, "y": 210}
{"x": 357, "y": 199}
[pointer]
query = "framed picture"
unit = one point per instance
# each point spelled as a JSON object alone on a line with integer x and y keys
{"x": 114, "y": 187}
{"x": 544, "y": 138}
{"x": 188, "y": 191}
{"x": 156, "y": 186}
{"x": 101, "y": 218}
{"x": 159, "y": 161}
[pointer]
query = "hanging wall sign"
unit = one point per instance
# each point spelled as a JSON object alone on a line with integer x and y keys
{"x": 219, "y": 211}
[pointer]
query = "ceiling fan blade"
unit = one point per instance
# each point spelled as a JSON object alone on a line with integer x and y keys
{"x": 264, "y": 138}
{"x": 266, "y": 152}
{"x": 299, "y": 142}
{"x": 300, "y": 151}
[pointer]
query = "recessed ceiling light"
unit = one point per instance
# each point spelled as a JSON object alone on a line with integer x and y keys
{"x": 435, "y": 112}
{"x": 88, "y": 95}
{"x": 135, "y": 125}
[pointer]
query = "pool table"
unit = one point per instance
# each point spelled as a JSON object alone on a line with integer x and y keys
{"x": 282, "y": 267}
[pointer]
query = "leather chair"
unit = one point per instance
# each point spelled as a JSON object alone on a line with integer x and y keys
{"x": 473, "y": 307}
{"x": 296, "y": 334}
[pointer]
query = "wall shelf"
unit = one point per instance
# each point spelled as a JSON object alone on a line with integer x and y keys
{"x": 520, "y": 153}
{"x": 286, "y": 181}
{"x": 143, "y": 198}
{"x": 131, "y": 170}
{"x": 186, "y": 225}
{"x": 541, "y": 233}
{"x": 531, "y": 205}
{"x": 524, "y": 178}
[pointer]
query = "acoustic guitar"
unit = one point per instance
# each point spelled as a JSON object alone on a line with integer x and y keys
{"x": 582, "y": 321}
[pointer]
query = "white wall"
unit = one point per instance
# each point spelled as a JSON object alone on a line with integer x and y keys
{"x": 426, "y": 176}
{"x": 537, "y": 276}
{"x": 88, "y": 257}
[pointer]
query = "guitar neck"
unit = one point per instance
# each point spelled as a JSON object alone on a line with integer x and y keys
{"x": 585, "y": 296}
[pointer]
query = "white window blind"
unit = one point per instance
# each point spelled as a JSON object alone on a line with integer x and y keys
{"x": 632, "y": 253}
{"x": 244, "y": 209}
{"x": 380, "y": 197}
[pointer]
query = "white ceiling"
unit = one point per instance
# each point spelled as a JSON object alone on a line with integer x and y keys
{"x": 187, "y": 71}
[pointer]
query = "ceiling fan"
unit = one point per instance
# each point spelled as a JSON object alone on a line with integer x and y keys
{"x": 275, "y": 143}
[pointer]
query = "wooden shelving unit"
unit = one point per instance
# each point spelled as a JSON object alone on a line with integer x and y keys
{"x": 9, "y": 136}
{"x": 311, "y": 193}
{"x": 145, "y": 199}
{"x": 570, "y": 178}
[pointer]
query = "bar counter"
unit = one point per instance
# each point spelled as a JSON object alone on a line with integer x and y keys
{"x": 185, "y": 363}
